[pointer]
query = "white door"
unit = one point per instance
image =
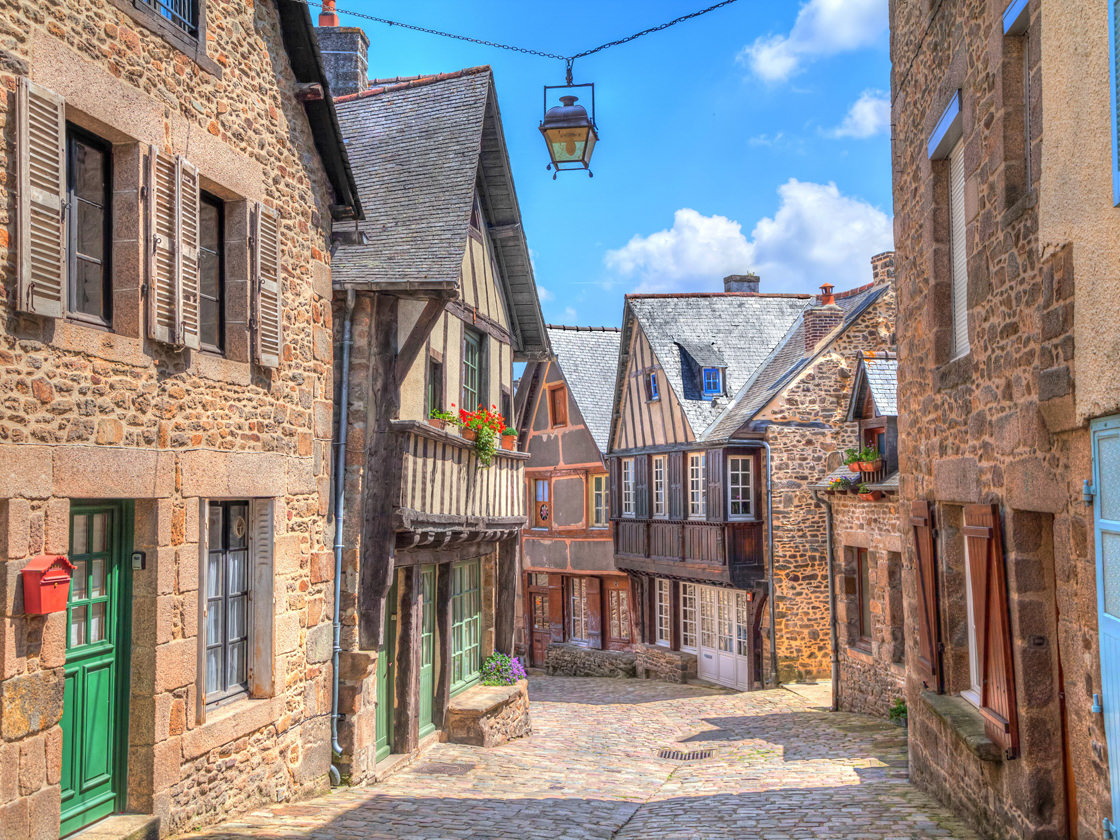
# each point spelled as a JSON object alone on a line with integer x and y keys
{"x": 722, "y": 655}
{"x": 707, "y": 662}
{"x": 1106, "y": 510}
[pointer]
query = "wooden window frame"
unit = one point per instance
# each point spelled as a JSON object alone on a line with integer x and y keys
{"x": 600, "y": 501}
{"x": 960, "y": 343}
{"x": 192, "y": 45}
{"x": 975, "y": 674}
{"x": 228, "y": 691}
{"x": 690, "y": 606}
{"x": 74, "y": 135}
{"x": 660, "y": 486}
{"x": 618, "y": 624}
{"x": 577, "y": 623}
{"x": 468, "y": 601}
{"x": 541, "y": 523}
{"x": 663, "y": 620}
{"x": 208, "y": 198}
{"x": 433, "y": 393}
{"x": 473, "y": 340}
{"x": 629, "y": 491}
{"x": 697, "y": 498}
{"x": 750, "y": 490}
{"x": 557, "y": 406}
{"x": 718, "y": 387}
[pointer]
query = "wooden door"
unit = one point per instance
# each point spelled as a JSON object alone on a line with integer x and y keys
{"x": 95, "y": 698}
{"x": 540, "y": 625}
{"x": 386, "y": 677}
{"x": 618, "y": 620}
{"x": 1106, "y": 510}
{"x": 427, "y": 648}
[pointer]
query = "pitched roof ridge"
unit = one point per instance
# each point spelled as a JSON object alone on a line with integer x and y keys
{"x": 582, "y": 329}
{"x": 655, "y": 295}
{"x": 869, "y": 355}
{"x": 859, "y": 290}
{"x": 406, "y": 82}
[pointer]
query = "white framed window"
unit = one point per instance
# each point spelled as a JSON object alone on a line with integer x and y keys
{"x": 664, "y": 616}
{"x": 600, "y": 506}
{"x": 628, "y": 487}
{"x": 975, "y": 678}
{"x": 740, "y": 487}
{"x": 689, "y": 627}
{"x": 958, "y": 252}
{"x": 696, "y": 489}
{"x": 660, "y": 476}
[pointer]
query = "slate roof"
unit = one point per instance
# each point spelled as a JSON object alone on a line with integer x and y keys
{"x": 784, "y": 364}
{"x": 743, "y": 328}
{"x": 588, "y": 358}
{"x": 419, "y": 147}
{"x": 881, "y": 372}
{"x": 705, "y": 355}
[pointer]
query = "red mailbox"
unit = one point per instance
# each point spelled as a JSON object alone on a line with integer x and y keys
{"x": 46, "y": 584}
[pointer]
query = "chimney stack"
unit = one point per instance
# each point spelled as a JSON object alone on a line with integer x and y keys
{"x": 882, "y": 268}
{"x": 345, "y": 52}
{"x": 821, "y": 318}
{"x": 741, "y": 283}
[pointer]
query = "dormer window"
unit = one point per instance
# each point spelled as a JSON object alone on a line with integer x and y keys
{"x": 712, "y": 379}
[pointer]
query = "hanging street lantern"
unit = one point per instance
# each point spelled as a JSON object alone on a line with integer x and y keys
{"x": 568, "y": 131}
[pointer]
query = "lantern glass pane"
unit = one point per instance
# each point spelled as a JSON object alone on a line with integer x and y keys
{"x": 567, "y": 145}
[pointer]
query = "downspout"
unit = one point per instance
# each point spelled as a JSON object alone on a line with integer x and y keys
{"x": 834, "y": 640}
{"x": 339, "y": 512}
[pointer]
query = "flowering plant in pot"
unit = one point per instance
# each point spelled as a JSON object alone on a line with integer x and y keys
{"x": 869, "y": 495}
{"x": 509, "y": 438}
{"x": 483, "y": 426}
{"x": 441, "y": 419}
{"x": 869, "y": 459}
{"x": 851, "y": 459}
{"x": 839, "y": 485}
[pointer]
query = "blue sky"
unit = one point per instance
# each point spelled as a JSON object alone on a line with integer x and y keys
{"x": 753, "y": 138}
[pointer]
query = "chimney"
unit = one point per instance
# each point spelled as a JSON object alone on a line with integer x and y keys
{"x": 741, "y": 283}
{"x": 882, "y": 268}
{"x": 345, "y": 51}
{"x": 821, "y": 318}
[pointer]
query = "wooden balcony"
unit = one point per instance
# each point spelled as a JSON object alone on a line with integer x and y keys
{"x": 720, "y": 551}
{"x": 447, "y": 496}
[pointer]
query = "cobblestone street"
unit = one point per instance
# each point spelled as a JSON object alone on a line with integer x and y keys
{"x": 782, "y": 767}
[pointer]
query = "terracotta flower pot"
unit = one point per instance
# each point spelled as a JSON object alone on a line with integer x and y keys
{"x": 871, "y": 466}
{"x": 509, "y": 442}
{"x": 437, "y": 422}
{"x": 469, "y": 434}
{"x": 873, "y": 496}
{"x": 854, "y": 466}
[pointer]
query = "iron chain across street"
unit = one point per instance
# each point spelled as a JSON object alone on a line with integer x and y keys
{"x": 568, "y": 59}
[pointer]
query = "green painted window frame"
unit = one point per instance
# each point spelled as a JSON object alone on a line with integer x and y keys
{"x": 466, "y": 624}
{"x": 474, "y": 373}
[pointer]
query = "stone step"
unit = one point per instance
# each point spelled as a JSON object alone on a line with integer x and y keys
{"x": 121, "y": 827}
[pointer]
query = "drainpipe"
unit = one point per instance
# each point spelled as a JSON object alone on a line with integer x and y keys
{"x": 339, "y": 511}
{"x": 834, "y": 640}
{"x": 771, "y": 593}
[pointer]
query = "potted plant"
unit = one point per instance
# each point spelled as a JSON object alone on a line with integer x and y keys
{"x": 440, "y": 418}
{"x": 500, "y": 669}
{"x": 839, "y": 485}
{"x": 869, "y": 459}
{"x": 869, "y": 495}
{"x": 851, "y": 459}
{"x": 484, "y": 427}
{"x": 509, "y": 438}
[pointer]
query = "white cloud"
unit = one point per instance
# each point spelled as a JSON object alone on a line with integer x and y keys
{"x": 868, "y": 116}
{"x": 544, "y": 294}
{"x": 822, "y": 28}
{"x": 816, "y": 235}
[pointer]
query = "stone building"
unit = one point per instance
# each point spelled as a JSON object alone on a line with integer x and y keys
{"x": 165, "y": 390}
{"x": 434, "y": 301}
{"x": 728, "y": 407}
{"x": 868, "y": 626}
{"x": 577, "y": 614}
{"x": 1005, "y": 181}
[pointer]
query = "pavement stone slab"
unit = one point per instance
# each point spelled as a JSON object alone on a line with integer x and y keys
{"x": 782, "y": 766}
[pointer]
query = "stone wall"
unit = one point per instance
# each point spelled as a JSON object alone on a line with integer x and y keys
{"x": 872, "y": 669}
{"x": 655, "y": 662}
{"x": 90, "y": 413}
{"x": 808, "y": 433}
{"x": 576, "y": 661}
{"x": 998, "y": 425}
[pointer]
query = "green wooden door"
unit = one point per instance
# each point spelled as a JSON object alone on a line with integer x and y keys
{"x": 95, "y": 711}
{"x": 427, "y": 648}
{"x": 386, "y": 677}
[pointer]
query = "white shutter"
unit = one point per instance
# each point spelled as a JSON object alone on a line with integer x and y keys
{"x": 41, "y": 232}
{"x": 268, "y": 311}
{"x": 163, "y": 286}
{"x": 958, "y": 251}
{"x": 188, "y": 320}
{"x": 261, "y": 598}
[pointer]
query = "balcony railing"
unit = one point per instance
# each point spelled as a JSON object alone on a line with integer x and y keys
{"x": 719, "y": 544}
{"x": 444, "y": 487}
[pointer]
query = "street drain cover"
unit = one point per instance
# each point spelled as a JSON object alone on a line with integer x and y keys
{"x": 437, "y": 769}
{"x": 678, "y": 755}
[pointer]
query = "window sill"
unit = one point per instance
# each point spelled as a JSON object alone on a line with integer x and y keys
{"x": 225, "y": 724}
{"x": 861, "y": 653}
{"x": 220, "y": 369}
{"x": 194, "y": 47}
{"x": 965, "y": 722}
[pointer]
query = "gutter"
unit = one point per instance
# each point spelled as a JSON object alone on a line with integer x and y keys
{"x": 834, "y": 640}
{"x": 339, "y": 511}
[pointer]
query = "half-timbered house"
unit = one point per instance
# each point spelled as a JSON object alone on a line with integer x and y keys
{"x": 434, "y": 302}
{"x": 723, "y": 404}
{"x": 576, "y": 603}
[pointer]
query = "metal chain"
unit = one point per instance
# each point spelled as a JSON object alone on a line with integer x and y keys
{"x": 568, "y": 59}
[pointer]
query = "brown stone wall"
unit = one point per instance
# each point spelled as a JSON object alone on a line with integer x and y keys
{"x": 998, "y": 425}
{"x": 808, "y": 434}
{"x": 872, "y": 671}
{"x": 88, "y": 413}
{"x": 660, "y": 663}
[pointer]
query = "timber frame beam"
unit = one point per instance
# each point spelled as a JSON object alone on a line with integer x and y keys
{"x": 419, "y": 334}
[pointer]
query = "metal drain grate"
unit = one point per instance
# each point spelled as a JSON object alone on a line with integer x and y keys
{"x": 677, "y": 755}
{"x": 437, "y": 769}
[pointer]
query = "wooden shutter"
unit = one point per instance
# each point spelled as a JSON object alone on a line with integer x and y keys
{"x": 173, "y": 231}
{"x": 594, "y": 613}
{"x": 262, "y": 600}
{"x": 993, "y": 626}
{"x": 268, "y": 314}
{"x": 641, "y": 487}
{"x": 929, "y": 626}
{"x": 41, "y": 231}
{"x": 615, "y": 467}
{"x": 713, "y": 472}
{"x": 556, "y": 607}
{"x": 958, "y": 250}
{"x": 676, "y": 485}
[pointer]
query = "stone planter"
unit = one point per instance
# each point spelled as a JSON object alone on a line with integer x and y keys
{"x": 486, "y": 716}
